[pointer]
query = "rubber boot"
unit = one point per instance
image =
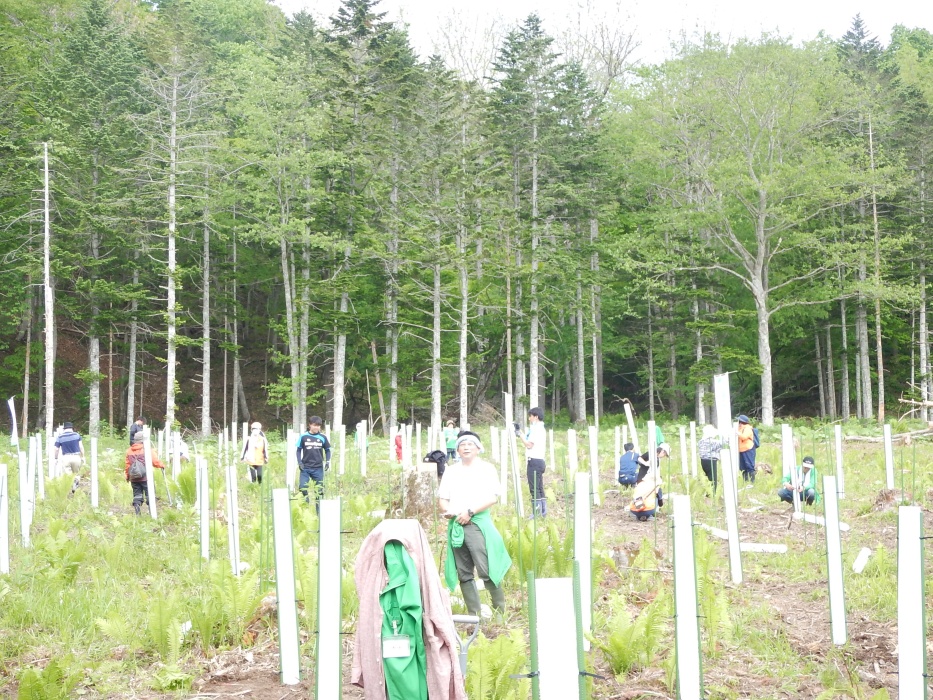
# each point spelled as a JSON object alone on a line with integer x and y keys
{"x": 470, "y": 596}
{"x": 497, "y": 596}
{"x": 136, "y": 508}
{"x": 541, "y": 507}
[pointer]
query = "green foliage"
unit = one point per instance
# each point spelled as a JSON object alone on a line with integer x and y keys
{"x": 187, "y": 487}
{"x": 226, "y": 605}
{"x": 632, "y": 643}
{"x": 62, "y": 552}
{"x": 713, "y": 603}
{"x": 55, "y": 682}
{"x": 492, "y": 661}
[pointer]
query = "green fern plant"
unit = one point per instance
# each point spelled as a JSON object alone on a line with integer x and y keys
{"x": 632, "y": 643}
{"x": 164, "y": 629}
{"x": 120, "y": 628}
{"x": 492, "y": 661}
{"x": 187, "y": 487}
{"x": 714, "y": 606}
{"x": 62, "y": 554}
{"x": 54, "y": 682}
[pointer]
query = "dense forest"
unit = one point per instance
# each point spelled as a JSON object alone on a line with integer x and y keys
{"x": 212, "y": 212}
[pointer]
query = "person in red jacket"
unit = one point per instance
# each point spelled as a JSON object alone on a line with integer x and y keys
{"x": 136, "y": 461}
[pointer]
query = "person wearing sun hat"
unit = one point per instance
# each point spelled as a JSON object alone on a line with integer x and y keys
{"x": 467, "y": 492}
{"x": 804, "y": 480}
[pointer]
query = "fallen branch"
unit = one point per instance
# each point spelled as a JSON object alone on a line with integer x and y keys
{"x": 894, "y": 438}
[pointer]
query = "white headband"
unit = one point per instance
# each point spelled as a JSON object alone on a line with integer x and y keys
{"x": 470, "y": 438}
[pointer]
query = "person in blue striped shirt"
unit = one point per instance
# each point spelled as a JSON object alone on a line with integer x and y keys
{"x": 69, "y": 452}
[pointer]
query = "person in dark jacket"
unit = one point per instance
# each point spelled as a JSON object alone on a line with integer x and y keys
{"x": 136, "y": 426}
{"x": 628, "y": 465}
{"x": 313, "y": 460}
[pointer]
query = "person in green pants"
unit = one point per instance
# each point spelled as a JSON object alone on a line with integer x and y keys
{"x": 468, "y": 490}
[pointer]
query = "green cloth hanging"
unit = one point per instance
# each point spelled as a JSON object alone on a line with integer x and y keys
{"x": 496, "y": 553}
{"x": 406, "y": 677}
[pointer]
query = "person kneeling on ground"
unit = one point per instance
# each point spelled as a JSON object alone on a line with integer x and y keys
{"x": 807, "y": 480}
{"x": 664, "y": 450}
{"x": 468, "y": 490}
{"x": 136, "y": 470}
{"x": 628, "y": 465}
{"x": 647, "y": 497}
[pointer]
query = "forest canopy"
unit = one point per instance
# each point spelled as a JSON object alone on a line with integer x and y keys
{"x": 254, "y": 215}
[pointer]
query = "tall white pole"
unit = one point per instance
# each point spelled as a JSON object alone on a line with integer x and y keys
{"x": 593, "y": 432}
{"x": 329, "y": 644}
{"x": 911, "y": 605}
{"x": 888, "y": 458}
{"x": 49, "y": 309}
{"x": 95, "y": 488}
{"x": 289, "y": 658}
{"x": 837, "y": 598}
{"x": 14, "y": 435}
{"x": 732, "y": 518}
{"x": 687, "y": 628}
{"x": 150, "y": 475}
{"x": 583, "y": 548}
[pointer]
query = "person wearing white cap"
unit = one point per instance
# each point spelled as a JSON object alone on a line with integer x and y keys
{"x": 468, "y": 490}
{"x": 255, "y": 452}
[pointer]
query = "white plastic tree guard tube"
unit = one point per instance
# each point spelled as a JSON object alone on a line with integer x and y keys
{"x": 911, "y": 606}
{"x": 150, "y": 476}
{"x": 493, "y": 444}
{"x": 14, "y": 433}
{"x": 572, "y": 457}
{"x": 840, "y": 474}
{"x": 341, "y": 446}
{"x": 4, "y": 519}
{"x": 176, "y": 455}
{"x": 732, "y": 519}
{"x": 233, "y": 519}
{"x": 329, "y": 646}
{"x": 593, "y": 432}
{"x": 504, "y": 467}
{"x": 683, "y": 450}
{"x": 364, "y": 445}
{"x": 837, "y": 598}
{"x": 583, "y": 549}
{"x": 95, "y": 486}
{"x": 687, "y": 628}
{"x": 653, "y": 450}
{"x": 618, "y": 446}
{"x": 24, "y": 519}
{"x": 693, "y": 449}
{"x": 289, "y": 659}
{"x": 556, "y": 632}
{"x": 418, "y": 453}
{"x": 789, "y": 462}
{"x": 888, "y": 458}
{"x": 630, "y": 421}
{"x": 291, "y": 459}
{"x": 204, "y": 508}
{"x": 724, "y": 411}
{"x": 550, "y": 440}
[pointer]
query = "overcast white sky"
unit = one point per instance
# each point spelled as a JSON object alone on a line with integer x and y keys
{"x": 655, "y": 22}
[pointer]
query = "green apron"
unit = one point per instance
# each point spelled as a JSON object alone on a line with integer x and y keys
{"x": 496, "y": 554}
{"x": 406, "y": 676}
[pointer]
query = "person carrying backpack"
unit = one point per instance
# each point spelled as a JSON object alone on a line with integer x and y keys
{"x": 255, "y": 452}
{"x": 628, "y": 465}
{"x": 748, "y": 444}
{"x": 135, "y": 471}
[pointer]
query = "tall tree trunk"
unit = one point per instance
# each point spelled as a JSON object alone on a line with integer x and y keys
{"x": 93, "y": 333}
{"x": 392, "y": 292}
{"x": 879, "y": 355}
{"x": 170, "y": 281}
{"x": 27, "y": 366}
{"x": 235, "y": 337}
{"x": 764, "y": 357}
{"x": 596, "y": 302}
{"x": 844, "y": 403}
{"x": 436, "y": 422}
{"x": 303, "y": 376}
{"x": 49, "y": 309}
{"x": 134, "y": 335}
{"x": 926, "y": 381}
{"x": 830, "y": 375}
{"x": 861, "y": 321}
{"x": 291, "y": 328}
{"x": 580, "y": 380}
{"x": 206, "y": 322}
{"x": 533, "y": 301}
{"x": 819, "y": 374}
{"x": 463, "y": 325}
{"x": 651, "y": 383}
{"x": 698, "y": 349}
{"x": 340, "y": 354}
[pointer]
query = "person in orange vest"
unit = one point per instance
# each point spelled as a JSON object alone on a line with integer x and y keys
{"x": 255, "y": 452}
{"x": 135, "y": 471}
{"x": 748, "y": 444}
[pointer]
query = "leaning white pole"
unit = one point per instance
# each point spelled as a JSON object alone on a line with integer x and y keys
{"x": 630, "y": 419}
{"x": 14, "y": 435}
{"x": 594, "y": 462}
{"x": 4, "y": 520}
{"x": 150, "y": 476}
{"x": 204, "y": 508}
{"x": 289, "y": 659}
{"x": 840, "y": 476}
{"x": 687, "y": 628}
{"x": 329, "y": 644}
{"x": 837, "y": 598}
{"x": 732, "y": 518}
{"x": 95, "y": 487}
{"x": 888, "y": 458}
{"x": 583, "y": 549}
{"x": 911, "y": 605}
